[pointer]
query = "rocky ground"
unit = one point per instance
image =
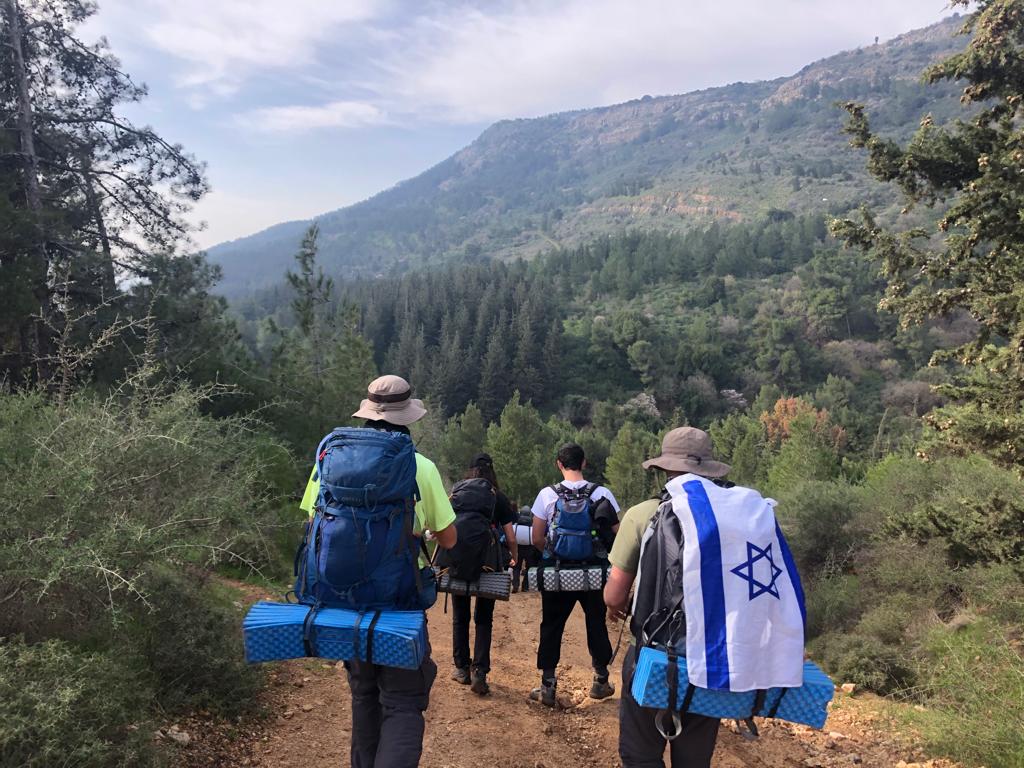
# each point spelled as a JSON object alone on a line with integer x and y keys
{"x": 307, "y": 723}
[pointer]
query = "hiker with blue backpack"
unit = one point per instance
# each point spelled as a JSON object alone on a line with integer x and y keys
{"x": 573, "y": 522}
{"x": 372, "y": 499}
{"x": 716, "y": 592}
{"x": 481, "y": 511}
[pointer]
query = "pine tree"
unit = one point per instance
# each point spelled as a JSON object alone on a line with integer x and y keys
{"x": 464, "y": 437}
{"x": 523, "y": 450}
{"x": 495, "y": 377}
{"x": 973, "y": 262}
{"x": 627, "y": 478}
{"x": 94, "y": 195}
{"x": 322, "y": 365}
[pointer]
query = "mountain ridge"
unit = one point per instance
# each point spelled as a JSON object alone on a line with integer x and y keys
{"x": 722, "y": 153}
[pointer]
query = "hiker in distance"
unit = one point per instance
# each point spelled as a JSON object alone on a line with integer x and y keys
{"x": 377, "y": 558}
{"x": 565, "y": 543}
{"x": 479, "y": 502}
{"x": 684, "y": 450}
{"x": 702, "y": 552}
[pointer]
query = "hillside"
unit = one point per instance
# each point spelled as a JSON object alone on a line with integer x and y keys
{"x": 728, "y": 153}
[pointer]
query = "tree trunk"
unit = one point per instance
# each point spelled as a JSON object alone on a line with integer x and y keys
{"x": 38, "y": 329}
{"x": 108, "y": 277}
{"x": 30, "y": 161}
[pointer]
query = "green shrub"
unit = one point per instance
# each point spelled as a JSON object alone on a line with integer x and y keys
{"x": 997, "y": 591}
{"x": 191, "y": 644}
{"x": 866, "y": 661}
{"x": 894, "y": 566}
{"x": 115, "y": 513}
{"x": 833, "y": 603}
{"x": 61, "y": 706}
{"x": 890, "y": 620}
{"x": 974, "y": 678}
{"x": 102, "y": 493}
{"x": 971, "y": 505}
{"x": 816, "y": 517}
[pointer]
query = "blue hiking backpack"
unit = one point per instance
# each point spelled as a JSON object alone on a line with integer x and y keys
{"x": 571, "y": 533}
{"x": 359, "y": 551}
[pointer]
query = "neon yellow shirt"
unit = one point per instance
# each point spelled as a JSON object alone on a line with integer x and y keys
{"x": 433, "y": 511}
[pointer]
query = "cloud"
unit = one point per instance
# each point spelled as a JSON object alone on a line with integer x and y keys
{"x": 300, "y": 118}
{"x": 470, "y": 63}
{"x": 224, "y": 43}
{"x": 474, "y": 61}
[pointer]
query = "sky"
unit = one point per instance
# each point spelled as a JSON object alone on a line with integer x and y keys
{"x": 300, "y": 107}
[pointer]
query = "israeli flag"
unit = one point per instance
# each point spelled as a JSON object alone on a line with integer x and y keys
{"x": 744, "y": 603}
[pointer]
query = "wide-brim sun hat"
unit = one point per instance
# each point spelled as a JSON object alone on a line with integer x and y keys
{"x": 389, "y": 398}
{"x": 688, "y": 449}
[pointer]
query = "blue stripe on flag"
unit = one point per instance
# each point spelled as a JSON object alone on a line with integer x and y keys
{"x": 712, "y": 588}
{"x": 794, "y": 575}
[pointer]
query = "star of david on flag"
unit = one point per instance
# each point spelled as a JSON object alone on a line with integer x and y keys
{"x": 746, "y": 571}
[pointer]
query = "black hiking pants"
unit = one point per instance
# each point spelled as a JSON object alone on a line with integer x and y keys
{"x": 483, "y": 617}
{"x": 556, "y": 607}
{"x": 387, "y": 713}
{"x": 640, "y": 743}
{"x": 529, "y": 557}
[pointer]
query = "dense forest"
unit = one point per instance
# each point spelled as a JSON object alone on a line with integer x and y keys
{"x": 865, "y": 370}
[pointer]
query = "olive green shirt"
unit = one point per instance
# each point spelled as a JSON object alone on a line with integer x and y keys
{"x": 625, "y": 554}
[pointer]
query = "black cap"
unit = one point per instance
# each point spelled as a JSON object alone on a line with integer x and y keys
{"x": 481, "y": 460}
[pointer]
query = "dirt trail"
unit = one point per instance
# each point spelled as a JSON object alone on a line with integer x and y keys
{"x": 309, "y": 721}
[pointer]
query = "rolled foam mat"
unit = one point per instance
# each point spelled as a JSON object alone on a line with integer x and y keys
{"x": 495, "y": 586}
{"x": 524, "y": 535}
{"x": 807, "y": 704}
{"x": 589, "y": 578}
{"x": 277, "y": 631}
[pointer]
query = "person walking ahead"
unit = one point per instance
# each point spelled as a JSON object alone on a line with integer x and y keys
{"x": 685, "y": 450}
{"x": 474, "y": 671}
{"x": 387, "y": 702}
{"x": 556, "y": 607}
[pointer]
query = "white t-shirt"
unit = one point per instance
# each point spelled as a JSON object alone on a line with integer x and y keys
{"x": 544, "y": 506}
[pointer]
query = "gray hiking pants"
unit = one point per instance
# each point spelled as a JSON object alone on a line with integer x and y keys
{"x": 640, "y": 743}
{"x": 387, "y": 713}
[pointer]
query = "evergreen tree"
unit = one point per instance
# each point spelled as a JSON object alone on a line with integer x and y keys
{"x": 495, "y": 378}
{"x": 973, "y": 262}
{"x": 464, "y": 437}
{"x": 523, "y": 451}
{"x": 322, "y": 365}
{"x": 627, "y": 478}
{"x": 739, "y": 441}
{"x": 91, "y": 194}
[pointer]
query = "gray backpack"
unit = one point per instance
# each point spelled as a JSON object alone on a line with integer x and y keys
{"x": 658, "y": 618}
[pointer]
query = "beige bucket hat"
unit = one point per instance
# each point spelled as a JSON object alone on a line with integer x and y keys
{"x": 688, "y": 449}
{"x": 389, "y": 398}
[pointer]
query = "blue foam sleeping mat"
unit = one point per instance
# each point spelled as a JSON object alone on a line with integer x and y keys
{"x": 276, "y": 631}
{"x": 807, "y": 704}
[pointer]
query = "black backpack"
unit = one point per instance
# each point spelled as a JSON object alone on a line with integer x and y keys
{"x": 658, "y": 617}
{"x": 476, "y": 548}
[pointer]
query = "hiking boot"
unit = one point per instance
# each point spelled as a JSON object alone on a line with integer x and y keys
{"x": 545, "y": 695}
{"x": 601, "y": 689}
{"x": 461, "y": 676}
{"x": 480, "y": 686}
